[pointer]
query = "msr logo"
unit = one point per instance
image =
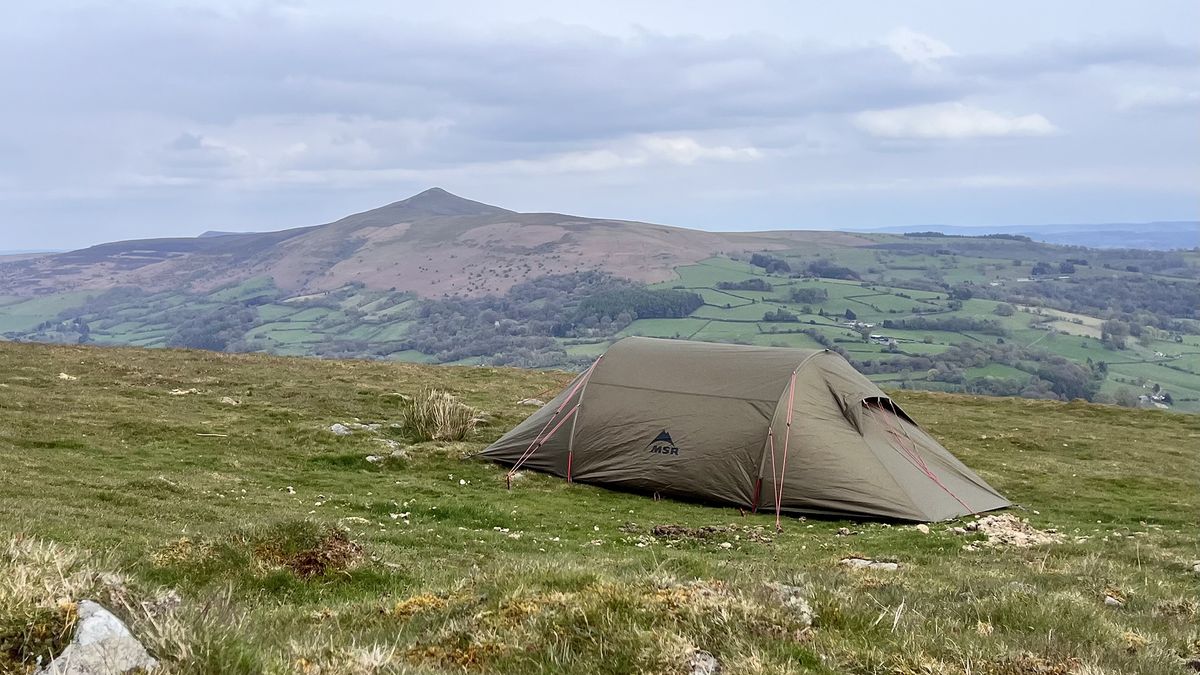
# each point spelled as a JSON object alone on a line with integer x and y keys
{"x": 663, "y": 445}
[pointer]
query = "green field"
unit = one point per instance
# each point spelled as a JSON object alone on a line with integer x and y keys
{"x": 432, "y": 566}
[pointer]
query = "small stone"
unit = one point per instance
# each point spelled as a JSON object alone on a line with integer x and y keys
{"x": 843, "y": 532}
{"x": 1113, "y": 602}
{"x": 726, "y": 545}
{"x": 102, "y": 644}
{"x": 863, "y": 563}
{"x": 704, "y": 663}
{"x": 792, "y": 598}
{"x": 229, "y": 400}
{"x": 1196, "y": 566}
{"x": 923, "y": 528}
{"x": 374, "y": 459}
{"x": 532, "y": 402}
{"x": 340, "y": 430}
{"x": 68, "y": 378}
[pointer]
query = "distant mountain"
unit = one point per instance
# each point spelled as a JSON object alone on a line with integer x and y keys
{"x": 433, "y": 244}
{"x": 222, "y": 233}
{"x": 1159, "y": 235}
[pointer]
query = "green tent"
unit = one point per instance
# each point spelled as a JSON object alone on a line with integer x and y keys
{"x": 794, "y": 431}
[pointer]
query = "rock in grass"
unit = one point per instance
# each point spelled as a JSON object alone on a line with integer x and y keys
{"x": 703, "y": 663}
{"x": 532, "y": 401}
{"x": 792, "y": 598}
{"x": 102, "y": 646}
{"x": 1110, "y": 601}
{"x": 340, "y": 430}
{"x": 863, "y": 563}
{"x": 1196, "y": 566}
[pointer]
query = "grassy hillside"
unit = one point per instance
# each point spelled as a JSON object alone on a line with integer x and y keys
{"x": 216, "y": 477}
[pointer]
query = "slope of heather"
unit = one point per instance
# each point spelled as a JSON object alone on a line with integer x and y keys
{"x": 433, "y": 243}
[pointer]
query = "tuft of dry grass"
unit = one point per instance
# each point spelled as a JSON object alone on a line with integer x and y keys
{"x": 40, "y": 584}
{"x": 436, "y": 415}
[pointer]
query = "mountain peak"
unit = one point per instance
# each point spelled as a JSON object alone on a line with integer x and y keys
{"x": 438, "y": 202}
{"x": 434, "y": 202}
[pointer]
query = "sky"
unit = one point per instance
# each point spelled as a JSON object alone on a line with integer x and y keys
{"x": 127, "y": 119}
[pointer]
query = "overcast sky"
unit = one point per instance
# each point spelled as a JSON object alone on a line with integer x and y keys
{"x": 165, "y": 118}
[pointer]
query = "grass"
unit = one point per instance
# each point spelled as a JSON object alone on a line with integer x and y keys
{"x": 435, "y": 415}
{"x": 290, "y": 552}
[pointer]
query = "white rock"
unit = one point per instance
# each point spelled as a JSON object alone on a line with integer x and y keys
{"x": 1196, "y": 567}
{"x": 726, "y": 544}
{"x": 340, "y": 430}
{"x": 532, "y": 401}
{"x": 374, "y": 459}
{"x": 793, "y": 600}
{"x": 229, "y": 400}
{"x": 1113, "y": 602}
{"x": 68, "y": 378}
{"x": 703, "y": 663}
{"x": 102, "y": 646}
{"x": 923, "y": 528}
{"x": 843, "y": 532}
{"x": 863, "y": 563}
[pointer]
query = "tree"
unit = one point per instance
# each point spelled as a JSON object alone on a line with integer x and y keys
{"x": 962, "y": 292}
{"x": 1126, "y": 397}
{"x": 809, "y": 296}
{"x": 1004, "y": 309}
{"x": 780, "y": 315}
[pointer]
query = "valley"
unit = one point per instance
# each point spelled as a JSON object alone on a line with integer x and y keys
{"x": 441, "y": 279}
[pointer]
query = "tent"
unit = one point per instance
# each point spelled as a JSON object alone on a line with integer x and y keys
{"x": 794, "y": 430}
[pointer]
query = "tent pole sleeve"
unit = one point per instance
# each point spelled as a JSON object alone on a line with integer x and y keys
{"x": 558, "y": 426}
{"x": 578, "y": 406}
{"x": 787, "y": 434}
{"x": 571, "y": 438}
{"x": 539, "y": 439}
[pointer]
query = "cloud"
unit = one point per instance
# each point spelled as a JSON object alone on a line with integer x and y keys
{"x": 296, "y": 108}
{"x": 638, "y": 152}
{"x": 917, "y": 48}
{"x": 1157, "y": 97}
{"x": 949, "y": 121}
{"x": 1071, "y": 56}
